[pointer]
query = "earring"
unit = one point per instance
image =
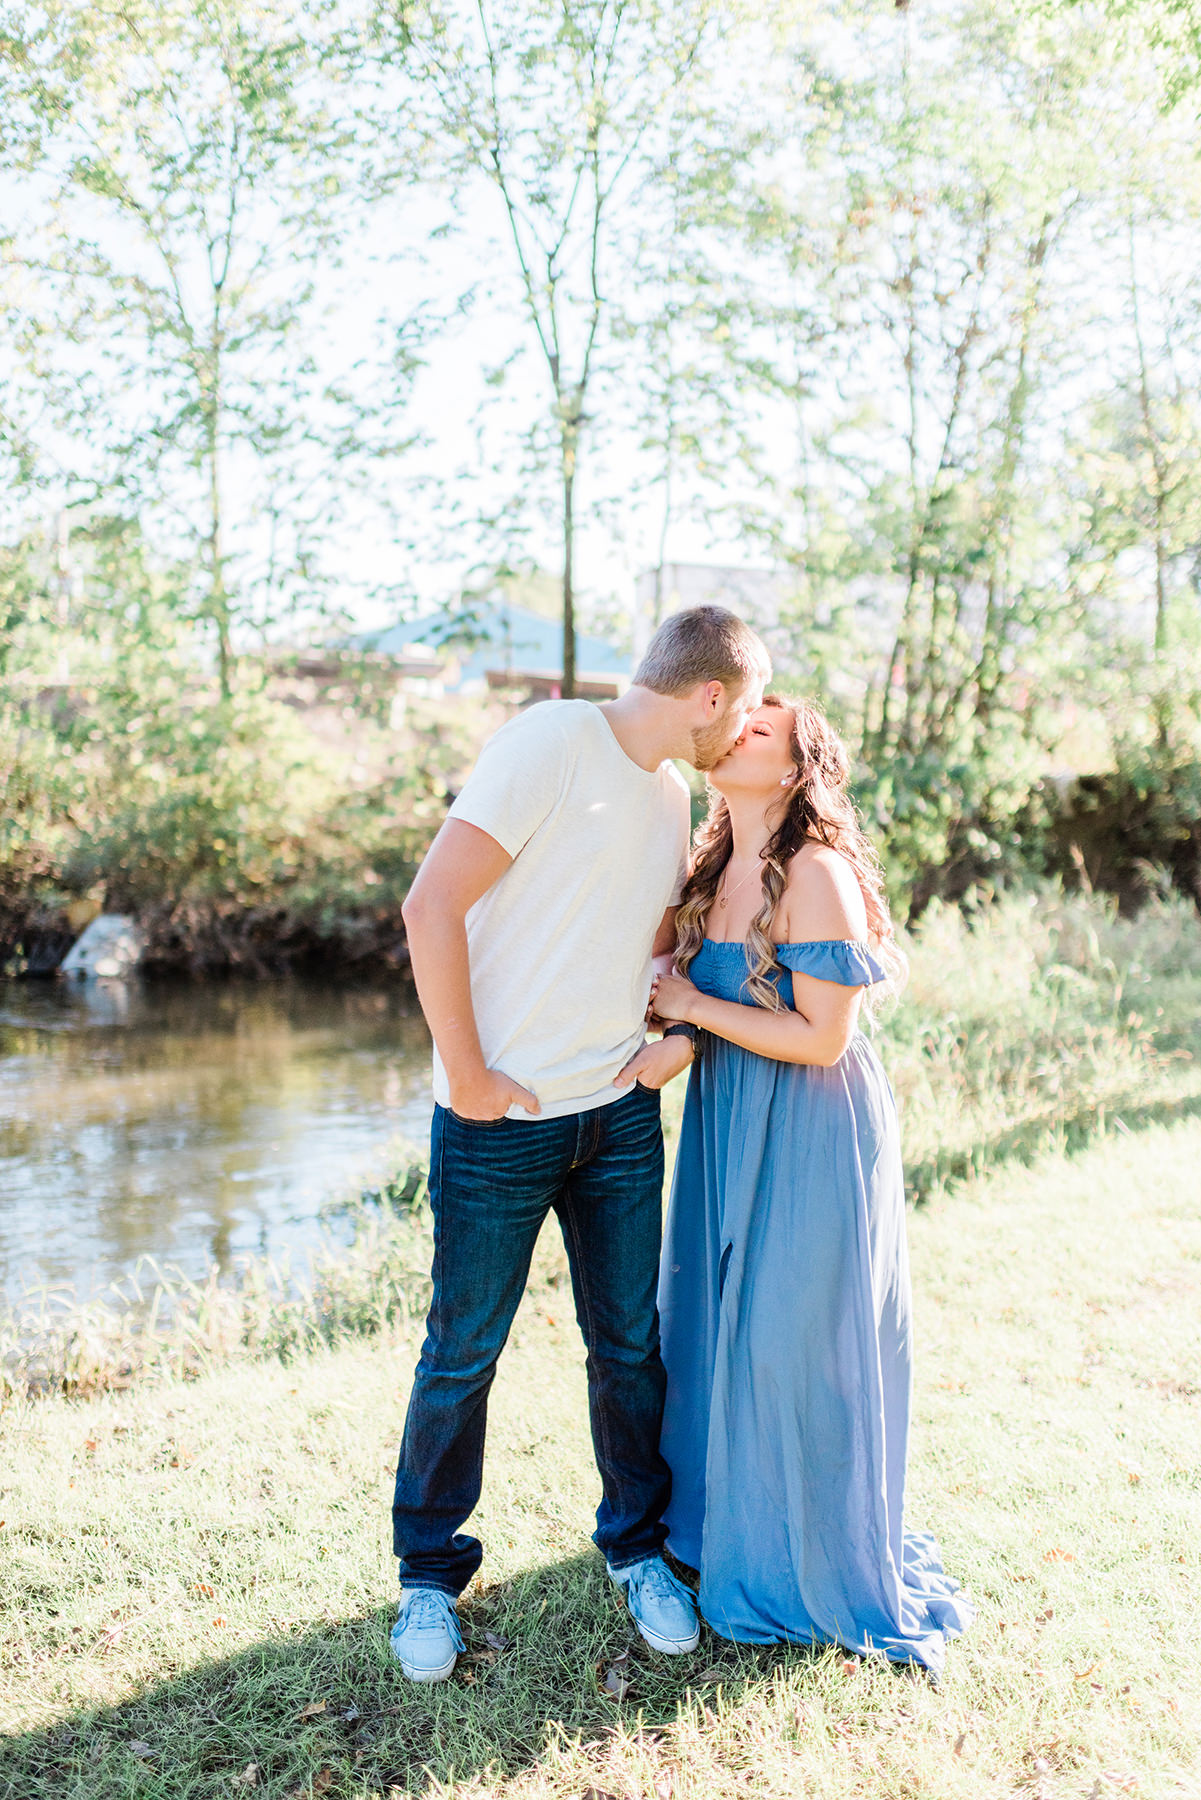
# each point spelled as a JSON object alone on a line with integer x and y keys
{"x": 788, "y": 781}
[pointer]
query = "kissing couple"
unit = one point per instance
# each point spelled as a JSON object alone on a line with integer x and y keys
{"x": 748, "y": 1390}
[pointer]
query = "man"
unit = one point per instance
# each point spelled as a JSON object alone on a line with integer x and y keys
{"x": 532, "y": 927}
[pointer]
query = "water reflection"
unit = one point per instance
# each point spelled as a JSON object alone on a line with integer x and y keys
{"x": 191, "y": 1123}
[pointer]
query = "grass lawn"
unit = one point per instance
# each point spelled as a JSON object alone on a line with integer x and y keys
{"x": 196, "y": 1585}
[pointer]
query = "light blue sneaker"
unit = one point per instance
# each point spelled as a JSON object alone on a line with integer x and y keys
{"x": 663, "y": 1609}
{"x": 426, "y": 1639}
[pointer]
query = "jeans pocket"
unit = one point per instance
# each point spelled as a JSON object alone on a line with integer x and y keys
{"x": 474, "y": 1124}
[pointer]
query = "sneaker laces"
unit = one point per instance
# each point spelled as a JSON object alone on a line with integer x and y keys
{"x": 654, "y": 1578}
{"x": 429, "y": 1609}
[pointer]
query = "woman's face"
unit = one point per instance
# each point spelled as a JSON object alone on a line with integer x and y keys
{"x": 760, "y": 759}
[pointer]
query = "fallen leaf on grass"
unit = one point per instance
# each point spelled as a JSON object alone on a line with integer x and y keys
{"x": 248, "y": 1778}
{"x": 321, "y": 1783}
{"x": 706, "y": 1676}
{"x": 1058, "y": 1555}
{"x": 313, "y": 1710}
{"x": 495, "y": 1642}
{"x": 849, "y": 1667}
{"x": 137, "y": 1748}
{"x": 615, "y": 1682}
{"x": 598, "y": 1794}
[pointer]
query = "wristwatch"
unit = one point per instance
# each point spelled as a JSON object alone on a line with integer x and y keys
{"x": 682, "y": 1028}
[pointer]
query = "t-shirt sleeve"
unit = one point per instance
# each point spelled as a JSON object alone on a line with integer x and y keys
{"x": 684, "y": 802}
{"x": 515, "y": 783}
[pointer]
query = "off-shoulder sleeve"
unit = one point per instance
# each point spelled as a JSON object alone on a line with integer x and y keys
{"x": 843, "y": 960}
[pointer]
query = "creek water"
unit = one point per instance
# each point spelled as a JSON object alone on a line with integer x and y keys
{"x": 193, "y": 1123}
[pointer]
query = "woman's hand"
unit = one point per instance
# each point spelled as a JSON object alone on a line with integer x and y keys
{"x": 673, "y": 997}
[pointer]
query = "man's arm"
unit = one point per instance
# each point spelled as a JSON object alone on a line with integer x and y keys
{"x": 655, "y": 1064}
{"x": 665, "y": 936}
{"x": 461, "y": 865}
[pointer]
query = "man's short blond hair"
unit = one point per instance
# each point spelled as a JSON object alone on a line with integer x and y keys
{"x": 703, "y": 643}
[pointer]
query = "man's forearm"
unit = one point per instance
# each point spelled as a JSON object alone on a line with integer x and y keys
{"x": 438, "y": 953}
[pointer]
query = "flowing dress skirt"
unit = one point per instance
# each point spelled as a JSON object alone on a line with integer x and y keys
{"x": 786, "y": 1320}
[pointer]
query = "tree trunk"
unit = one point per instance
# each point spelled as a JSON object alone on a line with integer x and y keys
{"x": 568, "y": 686}
{"x": 218, "y": 598}
{"x": 1158, "y": 497}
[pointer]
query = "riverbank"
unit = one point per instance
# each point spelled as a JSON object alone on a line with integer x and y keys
{"x": 196, "y": 1583}
{"x": 337, "y": 931}
{"x": 277, "y": 829}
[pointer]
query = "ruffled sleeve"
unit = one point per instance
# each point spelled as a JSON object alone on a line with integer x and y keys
{"x": 843, "y": 960}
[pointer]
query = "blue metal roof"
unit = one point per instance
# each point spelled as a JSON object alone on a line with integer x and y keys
{"x": 491, "y": 634}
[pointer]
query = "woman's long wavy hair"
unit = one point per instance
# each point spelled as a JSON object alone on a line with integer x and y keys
{"x": 819, "y": 810}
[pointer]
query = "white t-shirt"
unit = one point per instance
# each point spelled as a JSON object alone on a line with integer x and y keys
{"x": 560, "y": 947}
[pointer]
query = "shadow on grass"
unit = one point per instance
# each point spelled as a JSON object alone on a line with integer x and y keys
{"x": 1024, "y": 1143}
{"x": 330, "y": 1714}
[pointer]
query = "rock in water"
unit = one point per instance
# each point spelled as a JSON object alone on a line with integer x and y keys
{"x": 111, "y": 945}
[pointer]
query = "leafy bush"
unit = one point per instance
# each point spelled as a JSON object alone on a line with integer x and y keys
{"x": 945, "y": 823}
{"x": 231, "y": 826}
{"x": 1136, "y": 828}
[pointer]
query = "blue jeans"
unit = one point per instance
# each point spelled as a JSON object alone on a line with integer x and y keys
{"x": 491, "y": 1186}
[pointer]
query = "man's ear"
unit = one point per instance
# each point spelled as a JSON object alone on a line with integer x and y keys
{"x": 715, "y": 693}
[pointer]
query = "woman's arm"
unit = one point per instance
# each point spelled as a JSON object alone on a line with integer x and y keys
{"x": 818, "y": 1032}
{"x": 822, "y": 900}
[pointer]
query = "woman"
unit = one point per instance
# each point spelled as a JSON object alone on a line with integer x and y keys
{"x": 784, "y": 1293}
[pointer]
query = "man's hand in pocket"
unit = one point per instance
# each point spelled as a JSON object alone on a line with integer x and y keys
{"x": 655, "y": 1064}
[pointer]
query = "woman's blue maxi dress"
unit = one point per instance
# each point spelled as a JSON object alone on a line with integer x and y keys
{"x": 785, "y": 1306}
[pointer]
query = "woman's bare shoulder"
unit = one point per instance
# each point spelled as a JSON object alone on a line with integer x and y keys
{"x": 822, "y": 897}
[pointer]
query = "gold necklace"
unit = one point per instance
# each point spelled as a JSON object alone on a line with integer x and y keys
{"x": 724, "y": 899}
